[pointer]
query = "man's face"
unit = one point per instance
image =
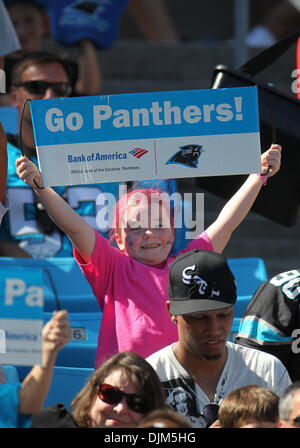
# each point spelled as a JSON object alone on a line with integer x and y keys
{"x": 205, "y": 334}
{"x": 50, "y": 72}
{"x": 294, "y": 420}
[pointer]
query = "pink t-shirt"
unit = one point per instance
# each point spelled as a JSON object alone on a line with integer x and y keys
{"x": 132, "y": 297}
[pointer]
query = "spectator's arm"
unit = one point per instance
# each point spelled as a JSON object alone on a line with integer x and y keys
{"x": 68, "y": 220}
{"x": 35, "y": 387}
{"x": 89, "y": 73}
{"x": 237, "y": 208}
{"x": 154, "y": 20}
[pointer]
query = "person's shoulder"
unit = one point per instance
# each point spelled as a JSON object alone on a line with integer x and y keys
{"x": 160, "y": 355}
{"x": 253, "y": 354}
{"x": 56, "y": 416}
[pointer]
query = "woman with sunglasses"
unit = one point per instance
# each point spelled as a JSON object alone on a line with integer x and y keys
{"x": 118, "y": 394}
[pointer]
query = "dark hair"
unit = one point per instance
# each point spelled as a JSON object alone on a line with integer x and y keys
{"x": 37, "y": 58}
{"x": 246, "y": 403}
{"x": 138, "y": 370}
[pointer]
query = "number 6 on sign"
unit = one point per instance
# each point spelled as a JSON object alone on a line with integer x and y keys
{"x": 78, "y": 334}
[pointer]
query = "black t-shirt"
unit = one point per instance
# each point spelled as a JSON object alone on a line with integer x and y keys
{"x": 271, "y": 322}
{"x": 56, "y": 416}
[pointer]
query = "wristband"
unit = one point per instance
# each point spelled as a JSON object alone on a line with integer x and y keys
{"x": 263, "y": 178}
{"x": 37, "y": 186}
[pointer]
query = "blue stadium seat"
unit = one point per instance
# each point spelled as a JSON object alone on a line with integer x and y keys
{"x": 11, "y": 373}
{"x": 241, "y": 305}
{"x": 81, "y": 350}
{"x": 249, "y": 274}
{"x": 234, "y": 329}
{"x": 65, "y": 284}
{"x": 66, "y": 383}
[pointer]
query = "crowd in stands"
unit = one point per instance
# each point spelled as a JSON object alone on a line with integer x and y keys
{"x": 163, "y": 358}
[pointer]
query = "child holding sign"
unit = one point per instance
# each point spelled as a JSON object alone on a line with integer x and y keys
{"x": 131, "y": 283}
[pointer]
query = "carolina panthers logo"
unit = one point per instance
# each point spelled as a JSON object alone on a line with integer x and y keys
{"x": 86, "y": 13}
{"x": 188, "y": 155}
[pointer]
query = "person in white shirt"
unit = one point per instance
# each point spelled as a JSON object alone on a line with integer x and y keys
{"x": 202, "y": 367}
{"x": 8, "y": 36}
{"x": 9, "y": 43}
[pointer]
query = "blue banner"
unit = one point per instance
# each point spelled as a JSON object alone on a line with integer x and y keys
{"x": 145, "y": 115}
{"x": 22, "y": 293}
{"x": 21, "y": 315}
{"x": 154, "y": 135}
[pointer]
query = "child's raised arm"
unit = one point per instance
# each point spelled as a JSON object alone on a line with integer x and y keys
{"x": 76, "y": 228}
{"x": 237, "y": 208}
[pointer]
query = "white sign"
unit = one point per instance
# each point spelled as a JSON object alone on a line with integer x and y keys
{"x": 162, "y": 135}
{"x": 21, "y": 318}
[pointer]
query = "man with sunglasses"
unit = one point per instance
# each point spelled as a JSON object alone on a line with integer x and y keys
{"x": 289, "y": 407}
{"x": 202, "y": 293}
{"x": 26, "y": 230}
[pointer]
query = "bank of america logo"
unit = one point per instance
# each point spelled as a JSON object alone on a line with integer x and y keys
{"x": 138, "y": 152}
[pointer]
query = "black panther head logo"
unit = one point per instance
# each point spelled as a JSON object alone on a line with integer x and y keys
{"x": 188, "y": 155}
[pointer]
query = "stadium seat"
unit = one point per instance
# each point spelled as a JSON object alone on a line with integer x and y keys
{"x": 66, "y": 383}
{"x": 65, "y": 284}
{"x": 234, "y": 329}
{"x": 11, "y": 373}
{"x": 249, "y": 274}
{"x": 241, "y": 305}
{"x": 81, "y": 350}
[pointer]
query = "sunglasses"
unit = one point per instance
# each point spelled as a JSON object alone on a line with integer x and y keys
{"x": 210, "y": 413}
{"x": 112, "y": 395}
{"x": 40, "y": 87}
